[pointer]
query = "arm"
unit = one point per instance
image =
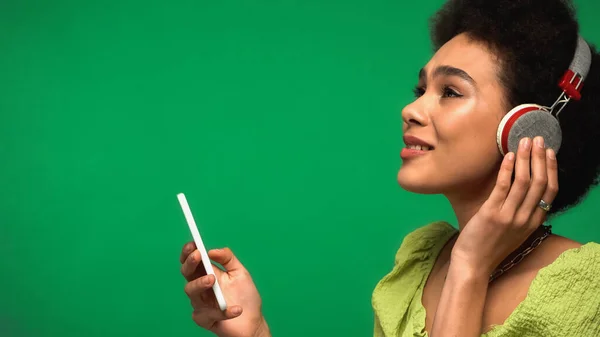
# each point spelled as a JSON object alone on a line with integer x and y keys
{"x": 500, "y": 226}
{"x": 460, "y": 310}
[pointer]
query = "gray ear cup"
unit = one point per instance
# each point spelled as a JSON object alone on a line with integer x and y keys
{"x": 532, "y": 124}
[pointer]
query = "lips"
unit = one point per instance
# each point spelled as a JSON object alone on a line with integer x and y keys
{"x": 416, "y": 143}
{"x": 415, "y": 147}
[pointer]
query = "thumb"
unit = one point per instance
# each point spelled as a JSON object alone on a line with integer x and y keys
{"x": 233, "y": 312}
{"x": 226, "y": 258}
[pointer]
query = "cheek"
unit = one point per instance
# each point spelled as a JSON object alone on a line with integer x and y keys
{"x": 468, "y": 144}
{"x": 466, "y": 152}
{"x": 468, "y": 137}
{"x": 469, "y": 127}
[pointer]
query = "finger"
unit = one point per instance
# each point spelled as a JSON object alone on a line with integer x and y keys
{"x": 207, "y": 318}
{"x": 203, "y": 319}
{"x": 520, "y": 186}
{"x": 226, "y": 258}
{"x": 188, "y": 248}
{"x": 503, "y": 181}
{"x": 195, "y": 288}
{"x": 539, "y": 181}
{"x": 191, "y": 269}
{"x": 552, "y": 186}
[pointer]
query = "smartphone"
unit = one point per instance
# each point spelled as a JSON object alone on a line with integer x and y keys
{"x": 200, "y": 245}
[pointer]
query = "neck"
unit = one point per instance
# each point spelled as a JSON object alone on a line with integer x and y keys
{"x": 467, "y": 202}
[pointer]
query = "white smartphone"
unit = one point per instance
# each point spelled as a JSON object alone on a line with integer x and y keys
{"x": 200, "y": 245}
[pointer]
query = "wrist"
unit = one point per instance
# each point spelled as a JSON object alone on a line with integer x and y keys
{"x": 263, "y": 329}
{"x": 459, "y": 269}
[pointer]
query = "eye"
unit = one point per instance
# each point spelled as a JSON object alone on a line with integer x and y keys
{"x": 418, "y": 91}
{"x": 450, "y": 93}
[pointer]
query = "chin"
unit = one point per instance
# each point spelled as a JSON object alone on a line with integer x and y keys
{"x": 417, "y": 182}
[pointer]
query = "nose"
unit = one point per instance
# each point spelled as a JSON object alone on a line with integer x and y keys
{"x": 414, "y": 114}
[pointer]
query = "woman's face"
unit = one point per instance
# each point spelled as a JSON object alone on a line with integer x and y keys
{"x": 457, "y": 111}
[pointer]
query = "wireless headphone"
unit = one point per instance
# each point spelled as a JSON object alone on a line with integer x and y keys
{"x": 532, "y": 120}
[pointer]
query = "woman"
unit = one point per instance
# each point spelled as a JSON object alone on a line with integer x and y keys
{"x": 502, "y": 273}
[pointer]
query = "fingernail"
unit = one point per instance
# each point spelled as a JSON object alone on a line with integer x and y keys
{"x": 539, "y": 141}
{"x": 206, "y": 280}
{"x": 526, "y": 143}
{"x": 510, "y": 156}
{"x": 550, "y": 153}
{"x": 236, "y": 310}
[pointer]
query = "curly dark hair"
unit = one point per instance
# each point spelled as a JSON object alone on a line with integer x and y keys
{"x": 535, "y": 41}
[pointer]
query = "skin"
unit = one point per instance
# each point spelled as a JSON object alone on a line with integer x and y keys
{"x": 244, "y": 318}
{"x": 458, "y": 113}
{"x": 459, "y": 104}
{"x": 459, "y": 119}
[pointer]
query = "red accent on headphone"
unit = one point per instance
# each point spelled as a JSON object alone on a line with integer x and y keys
{"x": 509, "y": 123}
{"x": 570, "y": 87}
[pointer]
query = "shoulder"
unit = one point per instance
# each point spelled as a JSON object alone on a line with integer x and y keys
{"x": 431, "y": 230}
{"x": 574, "y": 262}
{"x": 563, "y": 258}
{"x": 427, "y": 240}
{"x": 548, "y": 253}
{"x": 393, "y": 297}
{"x": 565, "y": 295}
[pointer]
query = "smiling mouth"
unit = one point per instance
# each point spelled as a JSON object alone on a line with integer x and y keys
{"x": 419, "y": 147}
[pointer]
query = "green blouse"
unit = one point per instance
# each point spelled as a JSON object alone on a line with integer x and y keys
{"x": 563, "y": 299}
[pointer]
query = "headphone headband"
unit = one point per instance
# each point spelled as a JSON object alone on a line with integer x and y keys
{"x": 572, "y": 81}
{"x": 583, "y": 58}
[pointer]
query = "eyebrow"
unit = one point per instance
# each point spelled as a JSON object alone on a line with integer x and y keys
{"x": 448, "y": 71}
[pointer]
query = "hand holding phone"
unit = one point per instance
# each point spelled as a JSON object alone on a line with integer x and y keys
{"x": 242, "y": 315}
{"x": 200, "y": 245}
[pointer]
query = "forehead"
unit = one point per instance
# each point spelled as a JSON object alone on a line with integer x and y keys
{"x": 469, "y": 55}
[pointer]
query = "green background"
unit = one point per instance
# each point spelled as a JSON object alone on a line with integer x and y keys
{"x": 280, "y": 120}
